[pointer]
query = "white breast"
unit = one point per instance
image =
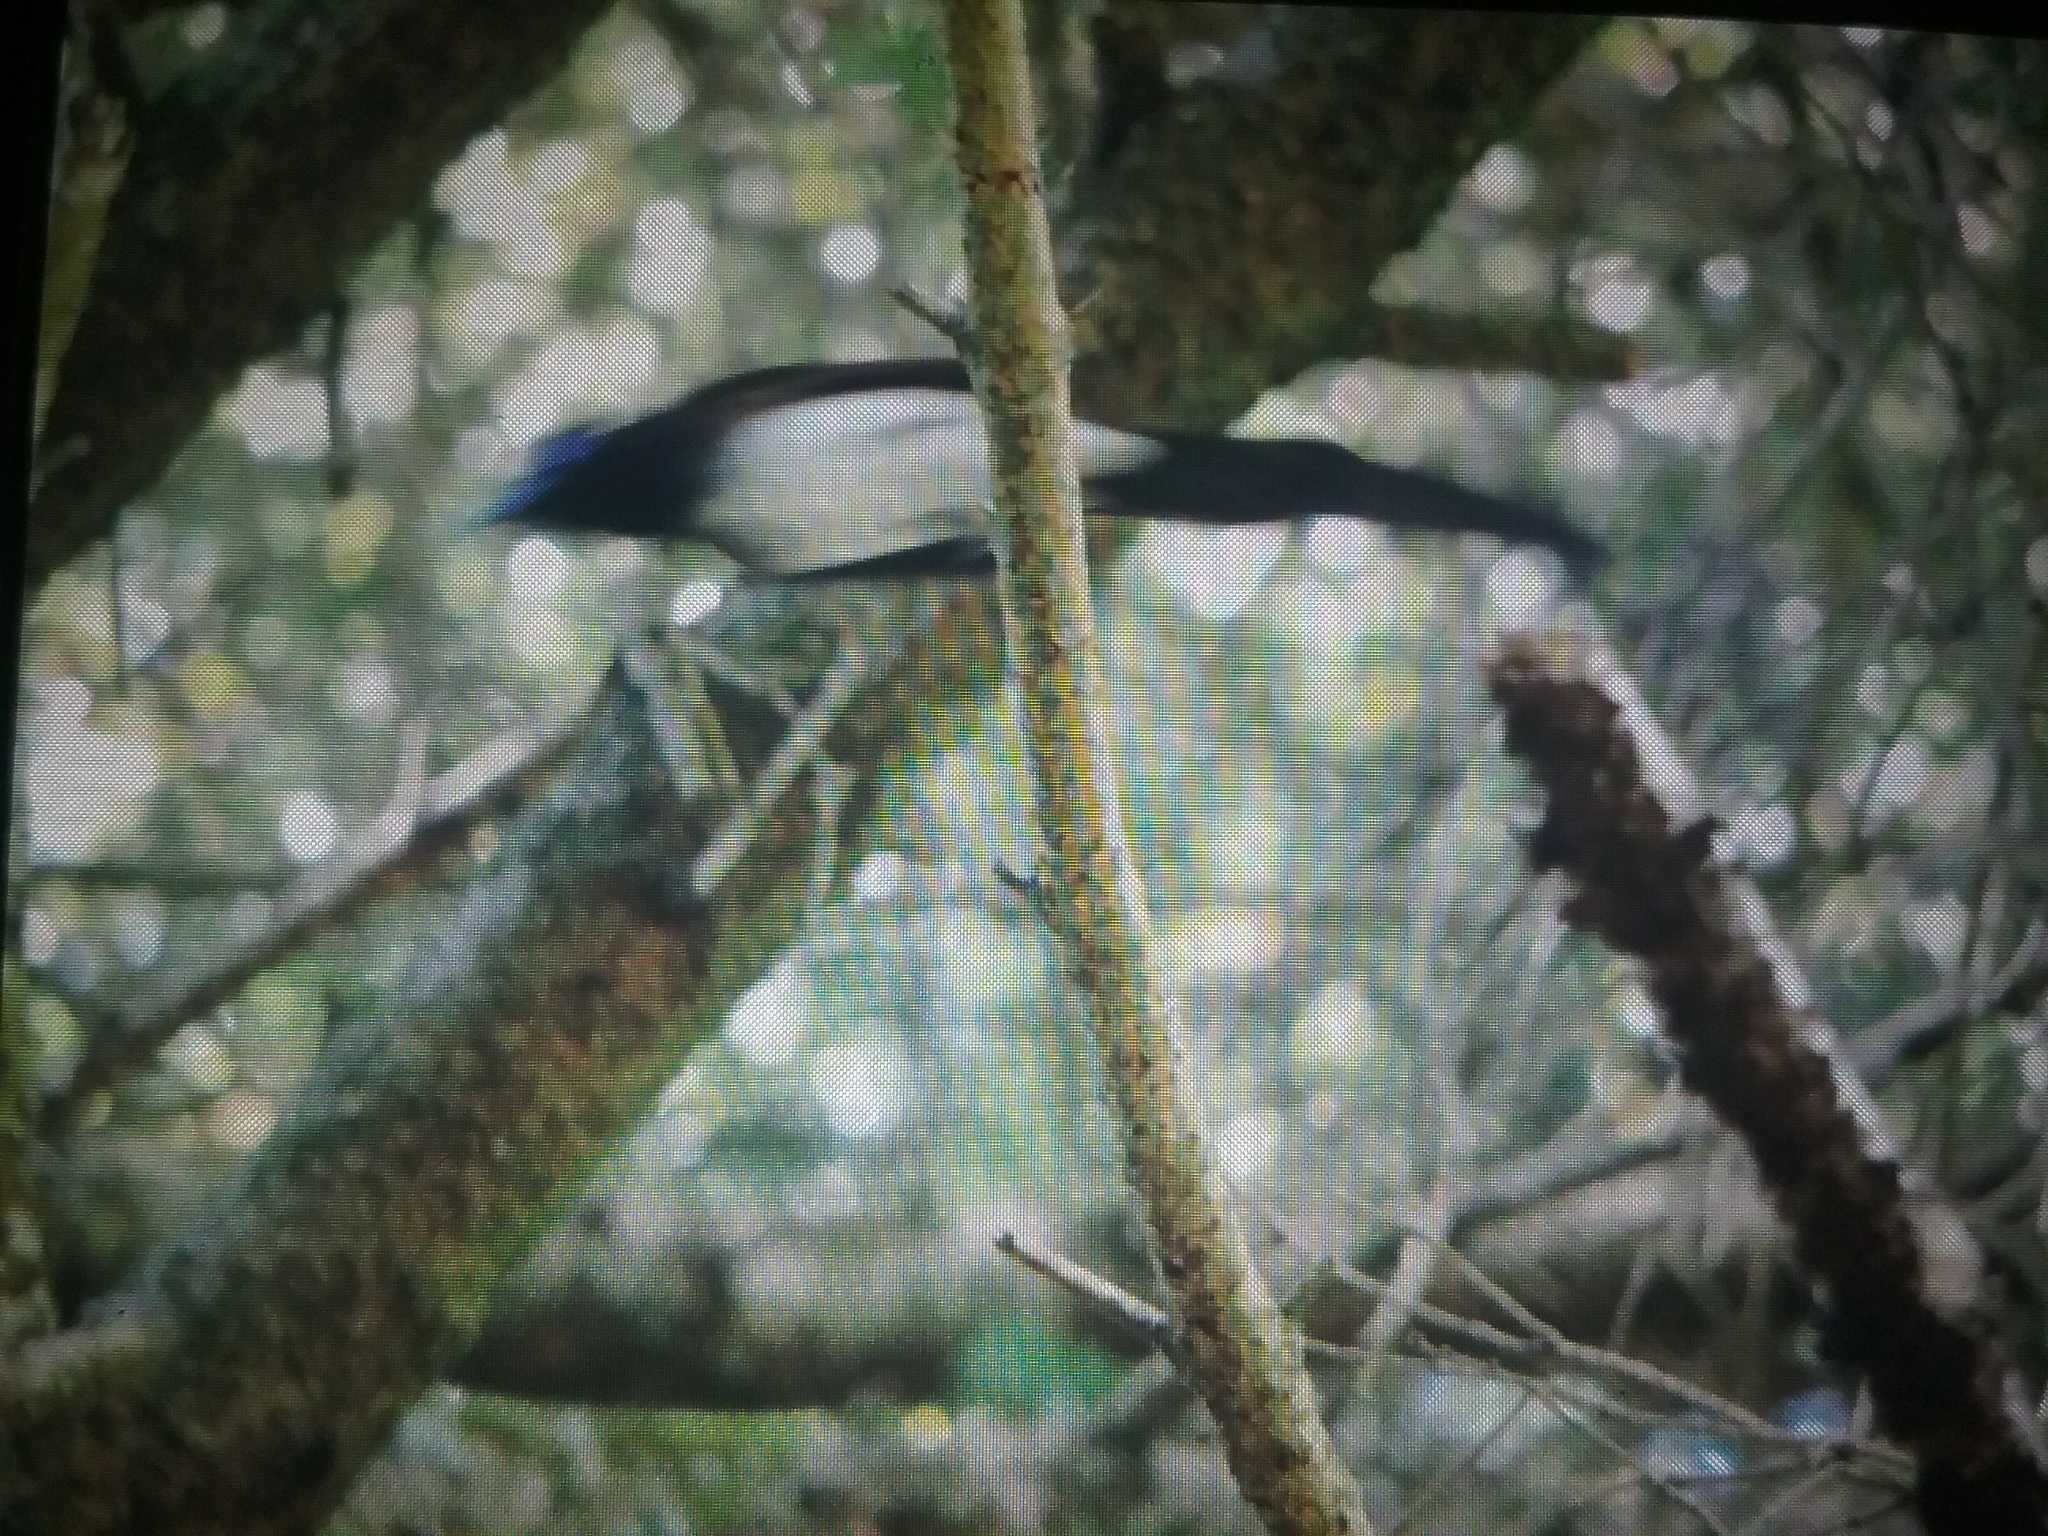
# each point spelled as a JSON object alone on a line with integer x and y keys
{"x": 849, "y": 477}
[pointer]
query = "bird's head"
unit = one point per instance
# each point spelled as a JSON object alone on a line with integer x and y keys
{"x": 561, "y": 474}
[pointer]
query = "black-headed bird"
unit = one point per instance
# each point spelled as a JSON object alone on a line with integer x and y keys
{"x": 820, "y": 470}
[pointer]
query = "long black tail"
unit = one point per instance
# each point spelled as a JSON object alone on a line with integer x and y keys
{"x": 1230, "y": 480}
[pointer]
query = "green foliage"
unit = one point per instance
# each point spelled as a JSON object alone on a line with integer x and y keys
{"x": 899, "y": 49}
{"x": 1018, "y": 1365}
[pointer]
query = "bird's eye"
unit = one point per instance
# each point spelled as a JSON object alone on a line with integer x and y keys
{"x": 559, "y": 450}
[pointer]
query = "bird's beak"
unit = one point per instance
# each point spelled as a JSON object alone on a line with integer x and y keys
{"x": 520, "y": 502}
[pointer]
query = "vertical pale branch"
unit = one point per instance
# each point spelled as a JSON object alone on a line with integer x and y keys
{"x": 1245, "y": 1357}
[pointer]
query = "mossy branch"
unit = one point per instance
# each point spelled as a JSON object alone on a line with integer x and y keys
{"x": 242, "y": 1378}
{"x": 1245, "y": 1357}
{"x": 94, "y": 142}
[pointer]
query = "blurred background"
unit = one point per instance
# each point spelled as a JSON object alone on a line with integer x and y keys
{"x": 780, "y": 1306}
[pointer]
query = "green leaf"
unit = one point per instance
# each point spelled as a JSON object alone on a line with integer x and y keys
{"x": 903, "y": 53}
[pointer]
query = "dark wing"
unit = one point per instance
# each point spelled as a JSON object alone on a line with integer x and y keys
{"x": 965, "y": 557}
{"x": 740, "y": 395}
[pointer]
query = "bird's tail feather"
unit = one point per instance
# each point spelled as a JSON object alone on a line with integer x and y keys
{"x": 1225, "y": 481}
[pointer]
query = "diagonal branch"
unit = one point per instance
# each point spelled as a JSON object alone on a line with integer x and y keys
{"x": 1244, "y": 227}
{"x": 1750, "y": 1046}
{"x": 418, "y": 825}
{"x": 357, "y": 1253}
{"x": 256, "y": 186}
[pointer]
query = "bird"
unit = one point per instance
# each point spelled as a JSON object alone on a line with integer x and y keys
{"x": 819, "y": 471}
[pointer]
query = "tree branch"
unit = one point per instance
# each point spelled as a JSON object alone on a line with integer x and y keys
{"x": 256, "y": 186}
{"x": 1245, "y": 1357}
{"x": 356, "y": 1254}
{"x": 1244, "y": 227}
{"x": 1751, "y": 1047}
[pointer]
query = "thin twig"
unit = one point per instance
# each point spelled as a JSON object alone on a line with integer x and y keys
{"x": 420, "y": 816}
{"x": 801, "y": 745}
{"x": 1540, "y": 1341}
{"x": 949, "y": 323}
{"x": 1104, "y": 1296}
